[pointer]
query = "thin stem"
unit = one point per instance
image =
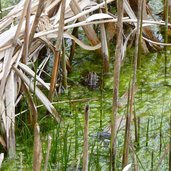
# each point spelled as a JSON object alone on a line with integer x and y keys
{"x": 85, "y": 151}
{"x": 116, "y": 76}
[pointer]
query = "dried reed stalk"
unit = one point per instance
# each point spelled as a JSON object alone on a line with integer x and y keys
{"x": 116, "y": 75}
{"x": 58, "y": 51}
{"x": 89, "y": 31}
{"x": 64, "y": 69}
{"x": 10, "y": 114}
{"x": 105, "y": 52}
{"x": 1, "y": 158}
{"x": 27, "y": 32}
{"x": 73, "y": 46}
{"x": 21, "y": 22}
{"x": 37, "y": 151}
{"x": 48, "y": 152}
{"x": 36, "y": 21}
{"x": 104, "y": 45}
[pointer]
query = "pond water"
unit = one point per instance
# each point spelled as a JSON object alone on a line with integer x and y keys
{"x": 152, "y": 107}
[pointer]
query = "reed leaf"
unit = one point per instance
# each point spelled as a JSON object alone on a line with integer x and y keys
{"x": 99, "y": 16}
{"x": 1, "y": 158}
{"x": 7, "y": 67}
{"x": 10, "y": 114}
{"x": 26, "y": 69}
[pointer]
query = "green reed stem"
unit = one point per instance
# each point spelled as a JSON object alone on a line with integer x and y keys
{"x": 161, "y": 125}
{"x": 147, "y": 133}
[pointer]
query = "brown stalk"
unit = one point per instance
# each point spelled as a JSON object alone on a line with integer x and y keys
{"x": 64, "y": 73}
{"x": 54, "y": 75}
{"x": 37, "y": 151}
{"x": 85, "y": 150}
{"x": 73, "y": 46}
{"x": 36, "y": 21}
{"x": 105, "y": 52}
{"x": 26, "y": 35}
{"x": 104, "y": 44}
{"x": 136, "y": 57}
{"x": 89, "y": 31}
{"x": 58, "y": 51}
{"x": 116, "y": 76}
{"x": 21, "y": 21}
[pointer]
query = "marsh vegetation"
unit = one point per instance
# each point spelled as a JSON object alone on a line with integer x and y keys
{"x": 85, "y": 85}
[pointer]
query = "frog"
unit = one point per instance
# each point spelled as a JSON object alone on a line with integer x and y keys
{"x": 91, "y": 80}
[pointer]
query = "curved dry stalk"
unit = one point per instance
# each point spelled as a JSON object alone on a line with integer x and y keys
{"x": 6, "y": 38}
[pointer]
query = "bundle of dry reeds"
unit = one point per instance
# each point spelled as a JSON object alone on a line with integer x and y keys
{"x": 24, "y": 31}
